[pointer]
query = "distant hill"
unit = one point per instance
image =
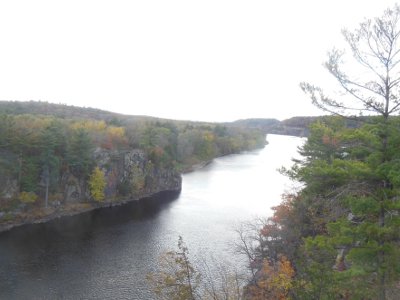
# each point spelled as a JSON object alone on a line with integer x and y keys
{"x": 296, "y": 126}
{"x": 262, "y": 124}
{"x": 64, "y": 111}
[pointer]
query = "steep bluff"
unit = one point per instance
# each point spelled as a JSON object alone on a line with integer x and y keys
{"x": 57, "y": 160}
{"x": 129, "y": 176}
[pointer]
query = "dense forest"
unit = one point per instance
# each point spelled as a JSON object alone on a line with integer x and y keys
{"x": 338, "y": 236}
{"x": 57, "y": 157}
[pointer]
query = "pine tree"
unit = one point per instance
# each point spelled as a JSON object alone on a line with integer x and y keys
{"x": 366, "y": 177}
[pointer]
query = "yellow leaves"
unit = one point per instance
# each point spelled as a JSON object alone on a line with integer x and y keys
{"x": 106, "y": 136}
{"x": 275, "y": 280}
{"x": 99, "y": 127}
{"x": 27, "y": 197}
{"x": 89, "y": 125}
{"x": 117, "y": 132}
{"x": 114, "y": 136}
{"x": 30, "y": 127}
{"x": 208, "y": 136}
{"x": 97, "y": 184}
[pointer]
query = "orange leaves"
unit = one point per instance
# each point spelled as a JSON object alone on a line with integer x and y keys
{"x": 208, "y": 136}
{"x": 275, "y": 280}
{"x": 275, "y": 275}
{"x": 330, "y": 140}
{"x": 107, "y": 136}
{"x": 157, "y": 151}
{"x": 114, "y": 137}
{"x": 283, "y": 210}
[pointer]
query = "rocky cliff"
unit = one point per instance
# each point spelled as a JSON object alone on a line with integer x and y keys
{"x": 58, "y": 160}
{"x": 129, "y": 176}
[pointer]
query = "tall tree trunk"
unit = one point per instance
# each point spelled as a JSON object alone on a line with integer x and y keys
{"x": 386, "y": 185}
{"x": 47, "y": 183}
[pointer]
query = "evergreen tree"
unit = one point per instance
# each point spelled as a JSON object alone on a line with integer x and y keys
{"x": 79, "y": 153}
{"x": 363, "y": 177}
{"x": 51, "y": 139}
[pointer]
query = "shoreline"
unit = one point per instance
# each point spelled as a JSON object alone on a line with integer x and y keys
{"x": 75, "y": 209}
{"x": 49, "y": 214}
{"x": 197, "y": 166}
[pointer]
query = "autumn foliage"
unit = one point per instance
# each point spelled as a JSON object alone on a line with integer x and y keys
{"x": 274, "y": 281}
{"x": 97, "y": 184}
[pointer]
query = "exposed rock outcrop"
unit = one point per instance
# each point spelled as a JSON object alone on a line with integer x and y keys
{"x": 129, "y": 175}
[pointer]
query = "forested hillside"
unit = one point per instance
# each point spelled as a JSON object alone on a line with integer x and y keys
{"x": 56, "y": 157}
{"x": 296, "y": 126}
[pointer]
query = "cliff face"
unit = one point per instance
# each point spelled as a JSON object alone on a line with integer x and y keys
{"x": 133, "y": 175}
{"x": 128, "y": 174}
{"x": 58, "y": 160}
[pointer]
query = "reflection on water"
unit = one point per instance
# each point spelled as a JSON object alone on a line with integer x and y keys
{"x": 108, "y": 252}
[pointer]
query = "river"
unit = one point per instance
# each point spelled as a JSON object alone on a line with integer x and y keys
{"x": 106, "y": 253}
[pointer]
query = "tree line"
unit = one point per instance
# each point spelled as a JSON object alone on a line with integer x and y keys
{"x": 37, "y": 151}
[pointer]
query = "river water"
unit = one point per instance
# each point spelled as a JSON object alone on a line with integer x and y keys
{"x": 106, "y": 254}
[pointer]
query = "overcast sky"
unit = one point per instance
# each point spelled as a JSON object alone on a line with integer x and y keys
{"x": 199, "y": 60}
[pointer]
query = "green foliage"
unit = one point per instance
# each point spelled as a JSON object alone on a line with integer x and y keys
{"x": 29, "y": 173}
{"x": 97, "y": 184}
{"x": 51, "y": 149}
{"x": 315, "y": 273}
{"x": 79, "y": 153}
{"x": 8, "y": 217}
{"x": 343, "y": 226}
{"x": 124, "y": 188}
{"x": 368, "y": 229}
{"x": 169, "y": 144}
{"x": 6, "y": 125}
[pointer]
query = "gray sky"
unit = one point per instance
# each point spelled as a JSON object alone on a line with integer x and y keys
{"x": 200, "y": 60}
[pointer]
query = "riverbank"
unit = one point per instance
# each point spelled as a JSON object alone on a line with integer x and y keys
{"x": 197, "y": 166}
{"x": 43, "y": 215}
